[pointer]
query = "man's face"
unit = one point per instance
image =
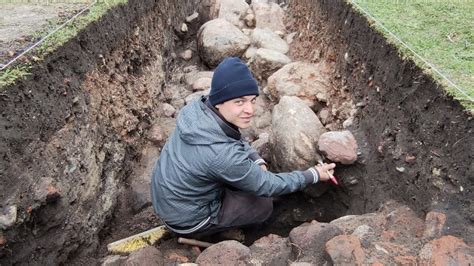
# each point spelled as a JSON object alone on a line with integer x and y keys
{"x": 238, "y": 111}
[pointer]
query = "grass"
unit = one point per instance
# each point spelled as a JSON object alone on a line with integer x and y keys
{"x": 12, "y": 74}
{"x": 56, "y": 40}
{"x": 439, "y": 31}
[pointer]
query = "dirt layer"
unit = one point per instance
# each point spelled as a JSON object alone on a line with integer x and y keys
{"x": 416, "y": 142}
{"x": 73, "y": 132}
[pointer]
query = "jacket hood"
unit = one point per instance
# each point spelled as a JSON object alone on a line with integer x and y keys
{"x": 197, "y": 125}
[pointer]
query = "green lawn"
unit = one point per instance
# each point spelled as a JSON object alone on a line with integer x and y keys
{"x": 442, "y": 32}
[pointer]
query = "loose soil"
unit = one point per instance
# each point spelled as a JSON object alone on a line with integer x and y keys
{"x": 79, "y": 124}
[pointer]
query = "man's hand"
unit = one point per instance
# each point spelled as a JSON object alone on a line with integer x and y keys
{"x": 264, "y": 167}
{"x": 324, "y": 169}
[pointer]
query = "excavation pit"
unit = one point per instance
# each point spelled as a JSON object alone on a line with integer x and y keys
{"x": 80, "y": 134}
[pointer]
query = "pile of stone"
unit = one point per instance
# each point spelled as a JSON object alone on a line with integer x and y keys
{"x": 392, "y": 236}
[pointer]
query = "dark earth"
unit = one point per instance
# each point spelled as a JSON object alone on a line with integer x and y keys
{"x": 73, "y": 134}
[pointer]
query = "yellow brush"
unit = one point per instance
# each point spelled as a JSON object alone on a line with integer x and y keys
{"x": 138, "y": 241}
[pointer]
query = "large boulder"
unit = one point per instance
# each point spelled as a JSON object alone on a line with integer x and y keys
{"x": 265, "y": 38}
{"x": 218, "y": 39}
{"x": 228, "y": 252}
{"x": 269, "y": 15}
{"x": 350, "y": 223}
{"x": 201, "y": 84}
{"x": 345, "y": 250}
{"x": 196, "y": 95}
{"x": 307, "y": 81}
{"x": 265, "y": 62}
{"x": 233, "y": 11}
{"x": 262, "y": 118}
{"x": 338, "y": 146}
{"x": 309, "y": 241}
{"x": 296, "y": 130}
{"x": 194, "y": 75}
{"x": 262, "y": 146}
{"x": 447, "y": 250}
{"x": 145, "y": 256}
{"x": 271, "y": 250}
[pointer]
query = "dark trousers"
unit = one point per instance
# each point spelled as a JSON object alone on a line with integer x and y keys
{"x": 239, "y": 209}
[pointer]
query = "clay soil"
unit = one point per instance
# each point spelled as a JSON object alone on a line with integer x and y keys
{"x": 79, "y": 124}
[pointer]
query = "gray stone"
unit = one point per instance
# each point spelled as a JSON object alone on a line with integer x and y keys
{"x": 193, "y": 75}
{"x": 290, "y": 37}
{"x": 233, "y": 11}
{"x": 297, "y": 263}
{"x": 250, "y": 52}
{"x": 187, "y": 54}
{"x": 8, "y": 216}
{"x": 295, "y": 132}
{"x": 218, "y": 39}
{"x": 147, "y": 256}
{"x": 196, "y": 95}
{"x": 350, "y": 223}
{"x": 203, "y": 83}
{"x": 250, "y": 20}
{"x": 228, "y": 252}
{"x": 168, "y": 110}
{"x": 265, "y": 62}
{"x": 113, "y": 260}
{"x": 262, "y": 146}
{"x": 270, "y": 250}
{"x": 262, "y": 118}
{"x": 192, "y": 17}
{"x": 365, "y": 234}
{"x": 184, "y": 27}
{"x": 269, "y": 16}
{"x": 308, "y": 81}
{"x": 309, "y": 240}
{"x": 265, "y": 38}
{"x": 348, "y": 122}
{"x": 324, "y": 115}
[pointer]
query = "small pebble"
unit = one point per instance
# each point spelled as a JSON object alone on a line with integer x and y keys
{"x": 184, "y": 27}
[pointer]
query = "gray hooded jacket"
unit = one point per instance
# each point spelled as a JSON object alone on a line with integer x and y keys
{"x": 200, "y": 160}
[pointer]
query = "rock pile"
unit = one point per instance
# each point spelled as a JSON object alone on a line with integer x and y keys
{"x": 392, "y": 236}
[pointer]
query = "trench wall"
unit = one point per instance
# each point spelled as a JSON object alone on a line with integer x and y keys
{"x": 404, "y": 118}
{"x": 71, "y": 130}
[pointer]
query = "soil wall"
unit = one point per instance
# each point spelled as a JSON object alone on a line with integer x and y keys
{"x": 415, "y": 142}
{"x": 71, "y": 130}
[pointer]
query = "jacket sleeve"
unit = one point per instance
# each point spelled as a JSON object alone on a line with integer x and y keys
{"x": 253, "y": 154}
{"x": 234, "y": 167}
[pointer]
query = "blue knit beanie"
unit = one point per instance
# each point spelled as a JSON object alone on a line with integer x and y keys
{"x": 232, "y": 79}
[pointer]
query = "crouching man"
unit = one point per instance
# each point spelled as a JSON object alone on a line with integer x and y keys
{"x": 207, "y": 178}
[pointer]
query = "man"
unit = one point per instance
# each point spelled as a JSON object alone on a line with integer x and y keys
{"x": 207, "y": 178}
